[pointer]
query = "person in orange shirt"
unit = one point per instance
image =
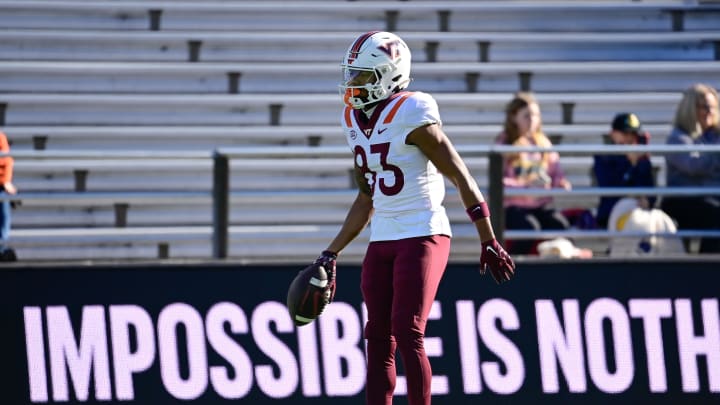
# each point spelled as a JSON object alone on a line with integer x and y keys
{"x": 7, "y": 254}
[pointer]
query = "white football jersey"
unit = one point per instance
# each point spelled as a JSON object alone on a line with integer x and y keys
{"x": 407, "y": 189}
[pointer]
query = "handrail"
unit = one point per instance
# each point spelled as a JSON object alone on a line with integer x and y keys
{"x": 614, "y": 191}
{"x": 592, "y": 234}
{"x": 419, "y": 68}
{"x": 466, "y": 150}
{"x": 344, "y": 36}
{"x": 329, "y": 100}
{"x": 343, "y": 151}
{"x": 221, "y": 192}
{"x": 496, "y": 188}
{"x": 594, "y": 149}
{"x": 105, "y": 154}
{"x": 310, "y": 195}
{"x": 100, "y": 197}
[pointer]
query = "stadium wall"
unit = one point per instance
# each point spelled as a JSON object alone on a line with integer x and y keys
{"x": 212, "y": 333}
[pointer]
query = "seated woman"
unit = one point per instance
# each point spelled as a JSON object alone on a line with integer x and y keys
{"x": 697, "y": 122}
{"x": 522, "y": 127}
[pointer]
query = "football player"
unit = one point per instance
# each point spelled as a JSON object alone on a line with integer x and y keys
{"x": 401, "y": 155}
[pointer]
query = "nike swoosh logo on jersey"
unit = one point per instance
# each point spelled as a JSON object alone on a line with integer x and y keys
{"x": 380, "y": 131}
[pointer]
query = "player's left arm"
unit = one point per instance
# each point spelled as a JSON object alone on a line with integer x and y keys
{"x": 433, "y": 142}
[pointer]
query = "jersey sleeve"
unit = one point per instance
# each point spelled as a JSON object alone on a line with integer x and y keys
{"x": 420, "y": 109}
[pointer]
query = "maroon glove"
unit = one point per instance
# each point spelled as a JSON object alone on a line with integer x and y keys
{"x": 327, "y": 260}
{"x": 495, "y": 258}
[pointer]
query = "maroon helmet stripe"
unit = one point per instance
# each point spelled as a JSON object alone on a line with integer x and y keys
{"x": 358, "y": 44}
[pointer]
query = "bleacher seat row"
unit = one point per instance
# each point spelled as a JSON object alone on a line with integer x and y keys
{"x": 614, "y": 15}
{"x": 305, "y": 109}
{"x": 251, "y": 46}
{"x": 321, "y": 77}
{"x": 206, "y": 137}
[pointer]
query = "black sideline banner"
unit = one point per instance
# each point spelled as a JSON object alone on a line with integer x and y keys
{"x": 560, "y": 333}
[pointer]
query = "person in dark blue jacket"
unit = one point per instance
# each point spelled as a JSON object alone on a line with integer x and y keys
{"x": 626, "y": 170}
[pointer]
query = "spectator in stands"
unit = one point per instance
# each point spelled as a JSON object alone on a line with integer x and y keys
{"x": 696, "y": 123}
{"x": 7, "y": 254}
{"x": 523, "y": 127}
{"x": 626, "y": 170}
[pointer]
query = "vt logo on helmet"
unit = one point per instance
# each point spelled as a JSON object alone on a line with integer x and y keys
{"x": 376, "y": 65}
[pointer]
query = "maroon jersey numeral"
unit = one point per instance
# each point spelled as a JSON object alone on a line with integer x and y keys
{"x": 362, "y": 164}
{"x": 383, "y": 149}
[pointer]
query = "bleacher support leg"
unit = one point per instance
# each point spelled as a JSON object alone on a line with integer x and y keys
{"x": 163, "y": 250}
{"x": 484, "y": 51}
{"x": 194, "y": 50}
{"x": 678, "y": 17}
{"x": 391, "y": 19}
{"x": 155, "y": 19}
{"x": 717, "y": 50}
{"x": 233, "y": 82}
{"x": 221, "y": 203}
{"x": 431, "y": 48}
{"x": 555, "y": 139}
{"x": 275, "y": 110}
{"x": 444, "y": 20}
{"x": 80, "y": 176}
{"x": 121, "y": 210}
{"x": 39, "y": 142}
{"x": 3, "y": 108}
{"x": 525, "y": 81}
{"x": 471, "y": 81}
{"x": 314, "y": 140}
{"x": 567, "y": 112}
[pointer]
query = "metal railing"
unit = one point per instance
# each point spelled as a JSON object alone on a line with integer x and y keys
{"x": 496, "y": 190}
{"x": 495, "y": 194}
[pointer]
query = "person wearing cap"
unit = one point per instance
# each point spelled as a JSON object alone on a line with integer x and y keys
{"x": 623, "y": 170}
{"x": 697, "y": 122}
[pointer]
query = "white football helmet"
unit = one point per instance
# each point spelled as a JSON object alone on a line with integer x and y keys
{"x": 385, "y": 59}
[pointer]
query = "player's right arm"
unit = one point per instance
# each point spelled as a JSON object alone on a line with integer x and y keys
{"x": 357, "y": 217}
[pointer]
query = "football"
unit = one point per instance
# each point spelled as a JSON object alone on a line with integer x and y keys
{"x": 307, "y": 296}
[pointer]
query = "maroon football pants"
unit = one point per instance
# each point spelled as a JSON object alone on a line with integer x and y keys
{"x": 399, "y": 281}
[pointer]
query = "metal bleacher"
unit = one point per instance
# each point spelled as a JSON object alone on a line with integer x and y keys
{"x": 114, "y": 108}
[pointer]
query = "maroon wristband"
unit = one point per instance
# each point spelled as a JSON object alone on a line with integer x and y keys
{"x": 478, "y": 211}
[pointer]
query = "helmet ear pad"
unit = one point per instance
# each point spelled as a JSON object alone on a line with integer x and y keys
{"x": 392, "y": 85}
